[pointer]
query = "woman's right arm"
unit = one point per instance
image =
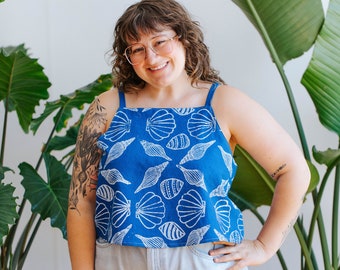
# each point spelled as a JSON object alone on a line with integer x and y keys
{"x": 82, "y": 197}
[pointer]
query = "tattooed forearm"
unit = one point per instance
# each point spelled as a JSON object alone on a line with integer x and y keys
{"x": 274, "y": 174}
{"x": 86, "y": 160}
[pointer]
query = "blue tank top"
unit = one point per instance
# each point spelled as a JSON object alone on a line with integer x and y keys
{"x": 164, "y": 178}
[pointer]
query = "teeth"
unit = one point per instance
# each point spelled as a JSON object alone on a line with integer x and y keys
{"x": 159, "y": 67}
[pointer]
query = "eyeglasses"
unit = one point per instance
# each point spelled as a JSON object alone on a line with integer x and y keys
{"x": 161, "y": 45}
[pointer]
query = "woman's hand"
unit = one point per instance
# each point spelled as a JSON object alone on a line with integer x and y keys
{"x": 244, "y": 254}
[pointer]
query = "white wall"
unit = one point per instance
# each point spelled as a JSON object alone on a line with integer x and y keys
{"x": 71, "y": 38}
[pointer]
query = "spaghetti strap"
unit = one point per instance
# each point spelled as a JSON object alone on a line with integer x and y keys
{"x": 211, "y": 93}
{"x": 121, "y": 99}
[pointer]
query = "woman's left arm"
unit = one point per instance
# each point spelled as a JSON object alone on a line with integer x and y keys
{"x": 252, "y": 127}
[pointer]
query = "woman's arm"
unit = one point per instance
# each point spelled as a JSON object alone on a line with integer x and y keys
{"x": 82, "y": 196}
{"x": 249, "y": 125}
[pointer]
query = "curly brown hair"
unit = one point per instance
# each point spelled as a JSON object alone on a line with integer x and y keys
{"x": 149, "y": 16}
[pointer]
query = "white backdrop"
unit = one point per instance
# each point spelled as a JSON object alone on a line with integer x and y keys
{"x": 71, "y": 39}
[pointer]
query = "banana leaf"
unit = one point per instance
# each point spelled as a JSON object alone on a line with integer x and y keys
{"x": 74, "y": 100}
{"x": 322, "y": 77}
{"x": 23, "y": 83}
{"x": 47, "y": 198}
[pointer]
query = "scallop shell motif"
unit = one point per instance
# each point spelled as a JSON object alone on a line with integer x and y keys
{"x": 118, "y": 237}
{"x": 113, "y": 176}
{"x": 201, "y": 124}
{"x": 179, "y": 142}
{"x": 191, "y": 208}
{"x": 102, "y": 217}
{"x": 172, "y": 231}
{"x": 222, "y": 190}
{"x": 240, "y": 225}
{"x": 154, "y": 150}
{"x": 171, "y": 187}
{"x": 117, "y": 150}
{"x": 196, "y": 152}
{"x": 152, "y": 242}
{"x": 195, "y": 237}
{"x": 120, "y": 125}
{"x": 222, "y": 209}
{"x": 235, "y": 237}
{"x": 150, "y": 210}
{"x": 160, "y": 125}
{"x": 183, "y": 111}
{"x": 228, "y": 160}
{"x": 105, "y": 193}
{"x": 152, "y": 176}
{"x": 121, "y": 209}
{"x": 193, "y": 177}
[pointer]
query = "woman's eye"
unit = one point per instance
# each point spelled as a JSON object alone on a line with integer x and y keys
{"x": 137, "y": 50}
{"x": 159, "y": 42}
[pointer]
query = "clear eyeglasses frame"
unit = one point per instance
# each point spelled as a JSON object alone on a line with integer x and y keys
{"x": 161, "y": 45}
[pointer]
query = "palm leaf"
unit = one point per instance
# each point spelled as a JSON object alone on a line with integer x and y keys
{"x": 23, "y": 83}
{"x": 288, "y": 27}
{"x": 74, "y": 100}
{"x": 49, "y": 199}
{"x": 322, "y": 77}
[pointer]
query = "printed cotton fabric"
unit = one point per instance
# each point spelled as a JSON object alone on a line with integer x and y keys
{"x": 164, "y": 179}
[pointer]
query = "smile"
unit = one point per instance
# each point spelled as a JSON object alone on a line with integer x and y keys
{"x": 159, "y": 67}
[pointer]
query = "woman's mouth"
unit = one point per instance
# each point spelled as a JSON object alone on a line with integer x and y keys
{"x": 159, "y": 67}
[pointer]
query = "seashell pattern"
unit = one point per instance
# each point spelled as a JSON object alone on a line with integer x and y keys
{"x": 196, "y": 152}
{"x": 193, "y": 177}
{"x": 160, "y": 125}
{"x": 183, "y": 111}
{"x": 195, "y": 237}
{"x": 191, "y": 208}
{"x": 120, "y": 125}
{"x": 113, "y": 176}
{"x": 102, "y": 217}
{"x": 171, "y": 187}
{"x": 228, "y": 160}
{"x": 222, "y": 190}
{"x": 152, "y": 242}
{"x": 120, "y": 209}
{"x": 154, "y": 150}
{"x": 172, "y": 231}
{"x": 222, "y": 209}
{"x": 105, "y": 193}
{"x": 101, "y": 145}
{"x": 150, "y": 210}
{"x": 179, "y": 142}
{"x": 152, "y": 176}
{"x": 117, "y": 150}
{"x": 118, "y": 237}
{"x": 201, "y": 124}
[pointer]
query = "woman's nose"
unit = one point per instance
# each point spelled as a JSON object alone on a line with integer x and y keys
{"x": 150, "y": 54}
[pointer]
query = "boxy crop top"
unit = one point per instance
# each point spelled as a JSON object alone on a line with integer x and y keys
{"x": 164, "y": 178}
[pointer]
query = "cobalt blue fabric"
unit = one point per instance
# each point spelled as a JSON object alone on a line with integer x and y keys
{"x": 164, "y": 178}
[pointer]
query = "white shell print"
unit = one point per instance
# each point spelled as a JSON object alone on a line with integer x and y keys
{"x": 235, "y": 237}
{"x": 196, "y": 152}
{"x": 105, "y": 193}
{"x": 120, "y": 124}
{"x": 154, "y": 150}
{"x": 183, "y": 111}
{"x": 171, "y": 231}
{"x": 191, "y": 208}
{"x": 195, "y": 237}
{"x": 240, "y": 225}
{"x": 228, "y": 160}
{"x": 222, "y": 209}
{"x": 193, "y": 177}
{"x": 102, "y": 217}
{"x": 160, "y": 125}
{"x": 120, "y": 209}
{"x": 201, "y": 124}
{"x": 171, "y": 187}
{"x": 117, "y": 150}
{"x": 118, "y": 237}
{"x": 152, "y": 176}
{"x": 150, "y": 210}
{"x": 220, "y": 236}
{"x": 222, "y": 190}
{"x": 152, "y": 242}
{"x": 101, "y": 145}
{"x": 113, "y": 176}
{"x": 178, "y": 142}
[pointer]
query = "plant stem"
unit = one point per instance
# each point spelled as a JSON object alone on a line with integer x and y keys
{"x": 304, "y": 247}
{"x": 335, "y": 215}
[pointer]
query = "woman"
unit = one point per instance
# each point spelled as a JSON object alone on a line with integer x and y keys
{"x": 154, "y": 164}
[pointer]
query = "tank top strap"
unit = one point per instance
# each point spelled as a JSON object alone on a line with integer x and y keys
{"x": 121, "y": 99}
{"x": 211, "y": 93}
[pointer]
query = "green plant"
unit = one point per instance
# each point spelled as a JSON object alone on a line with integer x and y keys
{"x": 289, "y": 28}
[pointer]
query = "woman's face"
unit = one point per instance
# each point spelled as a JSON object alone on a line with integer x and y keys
{"x": 158, "y": 58}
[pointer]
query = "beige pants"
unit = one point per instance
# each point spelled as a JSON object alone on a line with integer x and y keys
{"x": 115, "y": 257}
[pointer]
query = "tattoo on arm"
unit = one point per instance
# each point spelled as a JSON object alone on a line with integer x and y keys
{"x": 86, "y": 160}
{"x": 274, "y": 174}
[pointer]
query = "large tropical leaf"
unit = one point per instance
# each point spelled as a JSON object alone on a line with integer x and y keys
{"x": 23, "y": 84}
{"x": 74, "y": 100}
{"x": 8, "y": 211}
{"x": 48, "y": 198}
{"x": 288, "y": 27}
{"x": 322, "y": 77}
